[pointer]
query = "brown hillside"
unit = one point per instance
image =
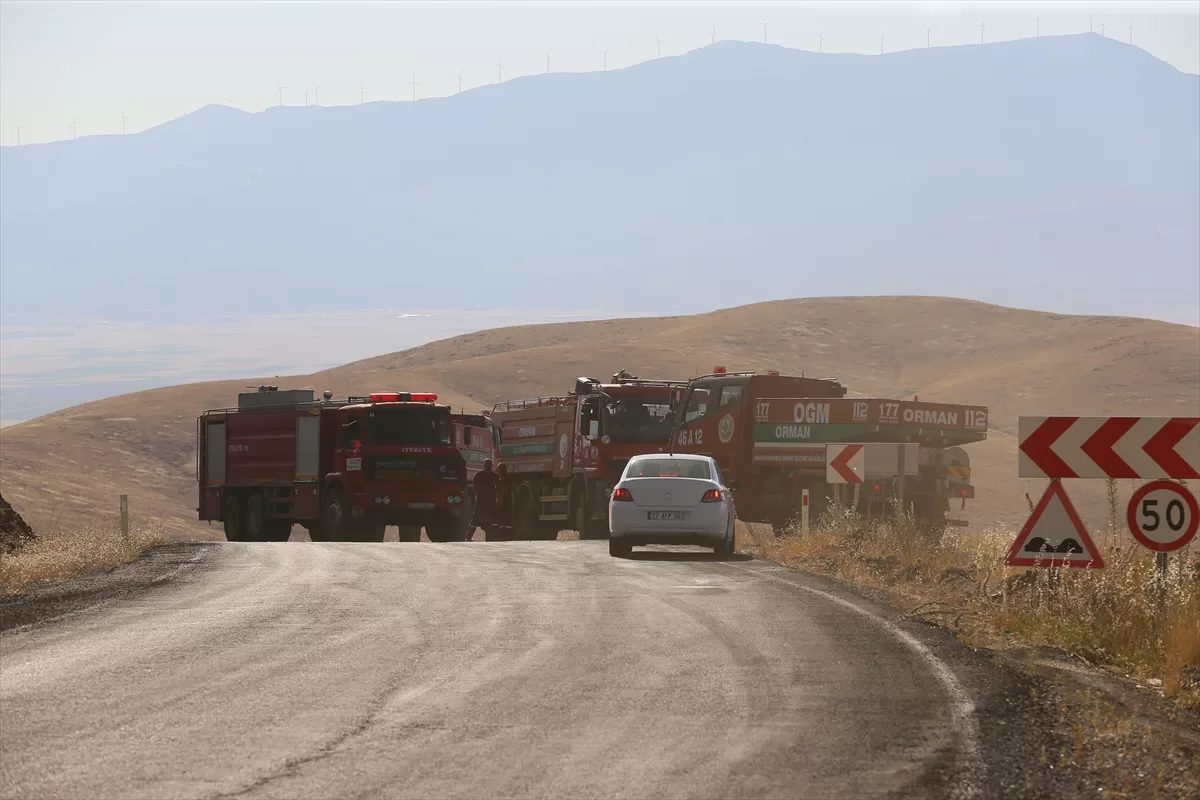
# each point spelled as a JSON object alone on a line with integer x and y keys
{"x": 63, "y": 468}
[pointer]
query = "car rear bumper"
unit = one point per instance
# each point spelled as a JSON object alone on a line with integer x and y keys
{"x": 639, "y": 537}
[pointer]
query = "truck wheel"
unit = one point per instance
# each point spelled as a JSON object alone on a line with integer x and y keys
{"x": 254, "y": 522}
{"x": 619, "y": 549}
{"x": 334, "y": 517}
{"x": 367, "y": 532}
{"x": 590, "y": 528}
{"x": 232, "y": 515}
{"x": 446, "y": 529}
{"x": 278, "y": 530}
{"x": 408, "y": 533}
{"x": 317, "y": 531}
{"x": 523, "y": 521}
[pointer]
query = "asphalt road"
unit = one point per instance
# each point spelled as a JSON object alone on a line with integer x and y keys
{"x": 538, "y": 669}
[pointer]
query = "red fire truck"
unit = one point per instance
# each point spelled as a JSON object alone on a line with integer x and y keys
{"x": 768, "y": 432}
{"x": 565, "y": 453}
{"x": 342, "y": 469}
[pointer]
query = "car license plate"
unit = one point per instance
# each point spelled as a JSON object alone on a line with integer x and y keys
{"x": 420, "y": 505}
{"x": 675, "y": 515}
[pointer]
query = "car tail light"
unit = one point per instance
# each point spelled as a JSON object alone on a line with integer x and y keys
{"x": 962, "y": 492}
{"x": 711, "y": 496}
{"x": 878, "y": 488}
{"x": 622, "y": 495}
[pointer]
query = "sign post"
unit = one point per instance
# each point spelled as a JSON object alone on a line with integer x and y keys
{"x": 125, "y": 517}
{"x": 804, "y": 510}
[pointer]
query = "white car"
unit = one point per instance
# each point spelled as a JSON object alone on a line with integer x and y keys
{"x": 671, "y": 499}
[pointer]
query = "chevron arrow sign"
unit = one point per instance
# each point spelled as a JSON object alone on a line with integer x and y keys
{"x": 1108, "y": 447}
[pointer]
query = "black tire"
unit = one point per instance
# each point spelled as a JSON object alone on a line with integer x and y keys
{"x": 587, "y": 527}
{"x": 524, "y": 523}
{"x": 334, "y": 519}
{"x": 408, "y": 533}
{"x": 317, "y": 531}
{"x": 278, "y": 530}
{"x": 368, "y": 531}
{"x": 231, "y": 513}
{"x": 255, "y": 521}
{"x": 725, "y": 547}
{"x": 619, "y": 549}
{"x": 444, "y": 529}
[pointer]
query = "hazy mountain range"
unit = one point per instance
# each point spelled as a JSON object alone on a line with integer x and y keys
{"x": 1059, "y": 173}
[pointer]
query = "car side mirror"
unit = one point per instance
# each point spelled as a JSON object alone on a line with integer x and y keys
{"x": 735, "y": 485}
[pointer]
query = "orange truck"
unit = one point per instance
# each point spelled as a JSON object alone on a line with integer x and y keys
{"x": 768, "y": 432}
{"x": 565, "y": 453}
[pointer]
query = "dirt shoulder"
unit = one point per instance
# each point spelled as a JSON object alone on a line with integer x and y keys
{"x": 51, "y": 600}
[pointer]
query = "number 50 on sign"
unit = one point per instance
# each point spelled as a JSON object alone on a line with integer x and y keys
{"x": 1163, "y": 516}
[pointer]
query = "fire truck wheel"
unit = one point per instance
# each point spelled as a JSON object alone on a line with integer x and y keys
{"x": 254, "y": 522}
{"x": 367, "y": 532}
{"x": 278, "y": 530}
{"x": 333, "y": 516}
{"x": 232, "y": 515}
{"x": 524, "y": 521}
{"x": 589, "y": 528}
{"x": 408, "y": 533}
{"x": 317, "y": 531}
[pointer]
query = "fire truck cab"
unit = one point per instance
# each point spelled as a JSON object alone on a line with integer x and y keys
{"x": 342, "y": 469}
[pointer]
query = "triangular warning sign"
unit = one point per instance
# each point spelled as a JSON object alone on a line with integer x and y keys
{"x": 1054, "y": 536}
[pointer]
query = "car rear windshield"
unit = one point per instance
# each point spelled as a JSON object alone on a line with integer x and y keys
{"x": 408, "y": 425}
{"x": 668, "y": 468}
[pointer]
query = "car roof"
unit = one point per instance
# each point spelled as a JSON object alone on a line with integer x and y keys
{"x": 676, "y": 456}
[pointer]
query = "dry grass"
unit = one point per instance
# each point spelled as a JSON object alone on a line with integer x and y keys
{"x": 1126, "y": 615}
{"x": 67, "y": 556}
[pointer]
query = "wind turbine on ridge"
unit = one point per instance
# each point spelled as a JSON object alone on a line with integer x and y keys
{"x": 280, "y": 87}
{"x": 881, "y": 41}
{"x": 124, "y": 119}
{"x": 821, "y": 42}
{"x": 499, "y": 65}
{"x": 74, "y": 126}
{"x": 362, "y": 92}
{"x": 1037, "y": 25}
{"x": 19, "y": 129}
{"x": 547, "y": 55}
{"x": 765, "y": 24}
{"x": 316, "y": 94}
{"x": 460, "y": 80}
{"x": 981, "y": 25}
{"x": 927, "y": 28}
{"x": 229, "y": 101}
{"x": 1130, "y": 29}
{"x": 712, "y": 31}
{"x": 658, "y": 43}
{"x": 413, "y": 83}
{"x": 605, "y": 54}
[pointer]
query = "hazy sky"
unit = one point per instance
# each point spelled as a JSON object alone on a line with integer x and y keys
{"x": 153, "y": 61}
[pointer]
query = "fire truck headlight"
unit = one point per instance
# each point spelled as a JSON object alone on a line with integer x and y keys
{"x": 387, "y": 498}
{"x": 454, "y": 499}
{"x": 378, "y": 499}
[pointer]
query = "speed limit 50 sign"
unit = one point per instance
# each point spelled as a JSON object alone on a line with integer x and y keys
{"x": 1163, "y": 516}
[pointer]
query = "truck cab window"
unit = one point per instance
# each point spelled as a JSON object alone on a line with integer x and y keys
{"x": 697, "y": 404}
{"x": 350, "y": 433}
{"x": 731, "y": 395}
